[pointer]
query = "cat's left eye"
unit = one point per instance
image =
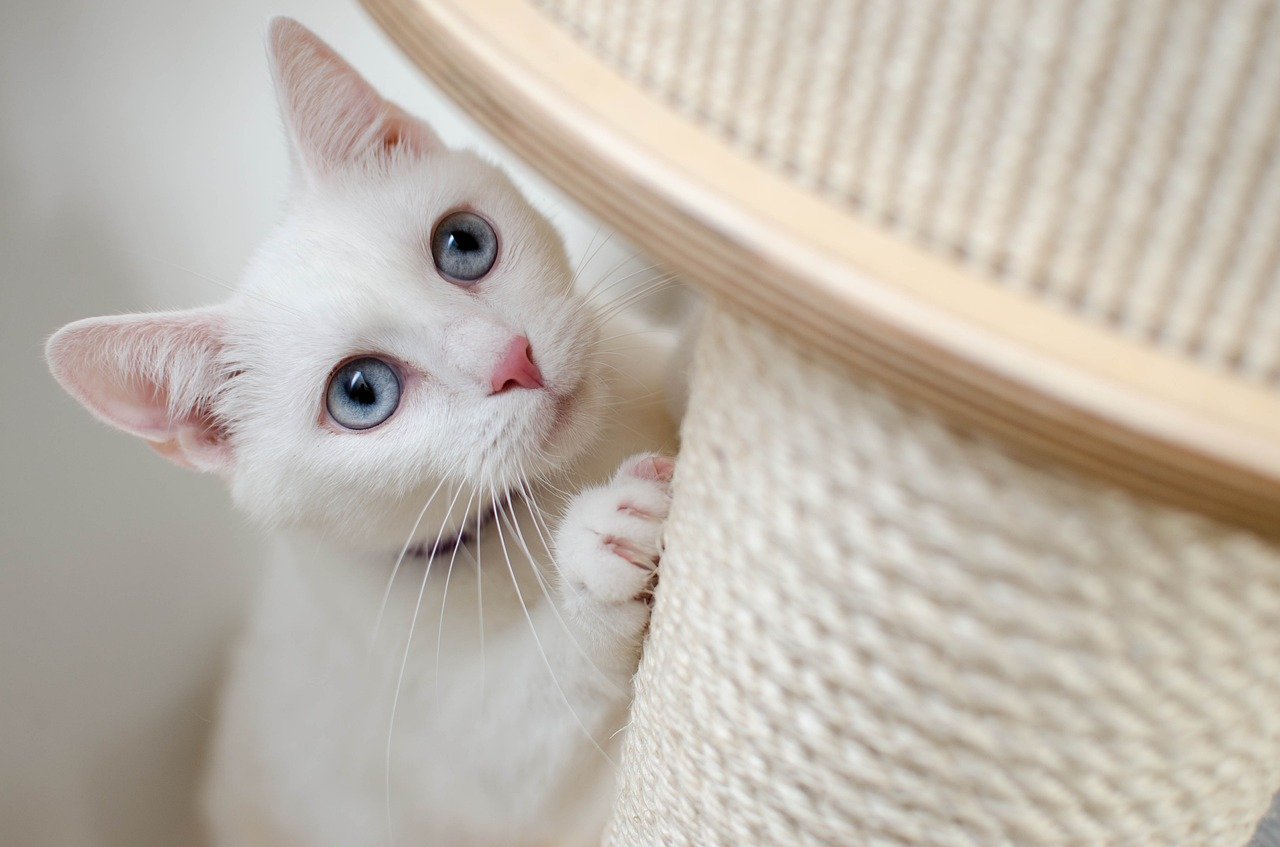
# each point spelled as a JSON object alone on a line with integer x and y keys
{"x": 363, "y": 393}
{"x": 464, "y": 247}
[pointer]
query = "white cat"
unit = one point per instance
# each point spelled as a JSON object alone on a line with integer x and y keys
{"x": 406, "y": 368}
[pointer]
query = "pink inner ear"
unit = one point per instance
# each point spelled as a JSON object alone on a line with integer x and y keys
{"x": 401, "y": 130}
{"x": 334, "y": 116}
{"x": 144, "y": 410}
{"x": 140, "y": 409}
{"x": 149, "y": 375}
{"x": 199, "y": 443}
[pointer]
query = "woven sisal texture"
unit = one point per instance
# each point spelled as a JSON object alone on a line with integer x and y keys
{"x": 873, "y": 631}
{"x": 1120, "y": 160}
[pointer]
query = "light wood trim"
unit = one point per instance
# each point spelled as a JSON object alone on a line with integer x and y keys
{"x": 1041, "y": 381}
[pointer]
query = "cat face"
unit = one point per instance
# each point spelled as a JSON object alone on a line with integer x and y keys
{"x": 410, "y": 328}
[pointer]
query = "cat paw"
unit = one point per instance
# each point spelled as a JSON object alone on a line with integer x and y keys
{"x": 610, "y": 541}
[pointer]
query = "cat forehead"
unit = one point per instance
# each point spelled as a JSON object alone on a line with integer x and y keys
{"x": 388, "y": 216}
{"x": 355, "y": 252}
{"x": 379, "y": 216}
{"x": 382, "y": 195}
{"x": 313, "y": 286}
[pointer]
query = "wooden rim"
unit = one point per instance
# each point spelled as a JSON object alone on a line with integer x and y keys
{"x": 993, "y": 360}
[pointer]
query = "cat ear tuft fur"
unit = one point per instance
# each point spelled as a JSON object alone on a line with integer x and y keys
{"x": 333, "y": 116}
{"x": 155, "y": 376}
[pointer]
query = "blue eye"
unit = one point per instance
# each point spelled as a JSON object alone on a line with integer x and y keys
{"x": 363, "y": 393}
{"x": 464, "y": 247}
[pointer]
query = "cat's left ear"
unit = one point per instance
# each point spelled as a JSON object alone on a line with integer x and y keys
{"x": 155, "y": 376}
{"x": 333, "y": 116}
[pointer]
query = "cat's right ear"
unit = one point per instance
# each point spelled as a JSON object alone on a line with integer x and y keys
{"x": 333, "y": 116}
{"x": 152, "y": 375}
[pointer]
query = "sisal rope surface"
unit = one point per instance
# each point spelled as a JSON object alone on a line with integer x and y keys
{"x": 1119, "y": 160}
{"x": 872, "y": 630}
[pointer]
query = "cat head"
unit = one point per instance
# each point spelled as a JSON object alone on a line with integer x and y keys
{"x": 410, "y": 328}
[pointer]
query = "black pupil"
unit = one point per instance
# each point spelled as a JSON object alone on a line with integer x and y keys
{"x": 360, "y": 391}
{"x": 464, "y": 241}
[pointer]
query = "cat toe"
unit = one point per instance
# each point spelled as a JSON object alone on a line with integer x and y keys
{"x": 611, "y": 540}
{"x": 650, "y": 466}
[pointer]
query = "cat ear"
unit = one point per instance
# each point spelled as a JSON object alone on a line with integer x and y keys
{"x": 154, "y": 376}
{"x": 332, "y": 115}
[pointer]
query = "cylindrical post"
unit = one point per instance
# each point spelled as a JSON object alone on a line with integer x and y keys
{"x": 874, "y": 630}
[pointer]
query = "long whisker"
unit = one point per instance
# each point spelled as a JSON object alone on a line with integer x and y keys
{"x": 607, "y": 313}
{"x": 589, "y": 258}
{"x": 652, "y": 331}
{"x": 539, "y": 523}
{"x": 594, "y": 290}
{"x": 444, "y": 598}
{"x": 480, "y": 615}
{"x": 538, "y": 641}
{"x": 476, "y": 562}
{"x": 600, "y": 288}
{"x": 661, "y": 275}
{"x": 408, "y": 542}
{"x": 545, "y": 479}
{"x": 601, "y": 314}
{"x": 404, "y": 662}
{"x": 542, "y": 581}
{"x": 540, "y": 578}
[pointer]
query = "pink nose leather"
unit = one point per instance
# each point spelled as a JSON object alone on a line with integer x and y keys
{"x": 516, "y": 370}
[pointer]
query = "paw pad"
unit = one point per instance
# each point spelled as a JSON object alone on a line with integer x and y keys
{"x": 610, "y": 542}
{"x": 656, "y": 468}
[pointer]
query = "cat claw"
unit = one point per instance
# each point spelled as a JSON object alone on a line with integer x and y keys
{"x": 631, "y": 553}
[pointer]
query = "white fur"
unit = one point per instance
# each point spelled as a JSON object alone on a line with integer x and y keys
{"x": 517, "y": 676}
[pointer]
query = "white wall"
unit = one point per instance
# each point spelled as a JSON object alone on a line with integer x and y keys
{"x": 140, "y": 160}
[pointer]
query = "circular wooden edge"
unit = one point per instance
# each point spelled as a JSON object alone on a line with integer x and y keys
{"x": 993, "y": 360}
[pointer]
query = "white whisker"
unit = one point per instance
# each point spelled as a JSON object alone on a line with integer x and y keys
{"x": 404, "y": 662}
{"x": 540, "y": 578}
{"x": 538, "y": 641}
{"x": 408, "y": 542}
{"x": 625, "y": 302}
{"x": 582, "y": 267}
{"x": 444, "y": 598}
{"x": 600, "y": 288}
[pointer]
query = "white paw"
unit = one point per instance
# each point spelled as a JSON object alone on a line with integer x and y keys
{"x": 610, "y": 540}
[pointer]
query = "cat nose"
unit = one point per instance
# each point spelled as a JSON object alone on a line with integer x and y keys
{"x": 516, "y": 370}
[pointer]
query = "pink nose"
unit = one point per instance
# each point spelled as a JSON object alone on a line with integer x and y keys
{"x": 516, "y": 370}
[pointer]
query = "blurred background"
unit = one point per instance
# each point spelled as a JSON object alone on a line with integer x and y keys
{"x": 141, "y": 160}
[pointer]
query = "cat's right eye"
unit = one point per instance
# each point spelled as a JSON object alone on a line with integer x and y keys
{"x": 363, "y": 393}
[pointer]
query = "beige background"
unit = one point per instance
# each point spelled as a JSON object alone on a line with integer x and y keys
{"x": 140, "y": 160}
